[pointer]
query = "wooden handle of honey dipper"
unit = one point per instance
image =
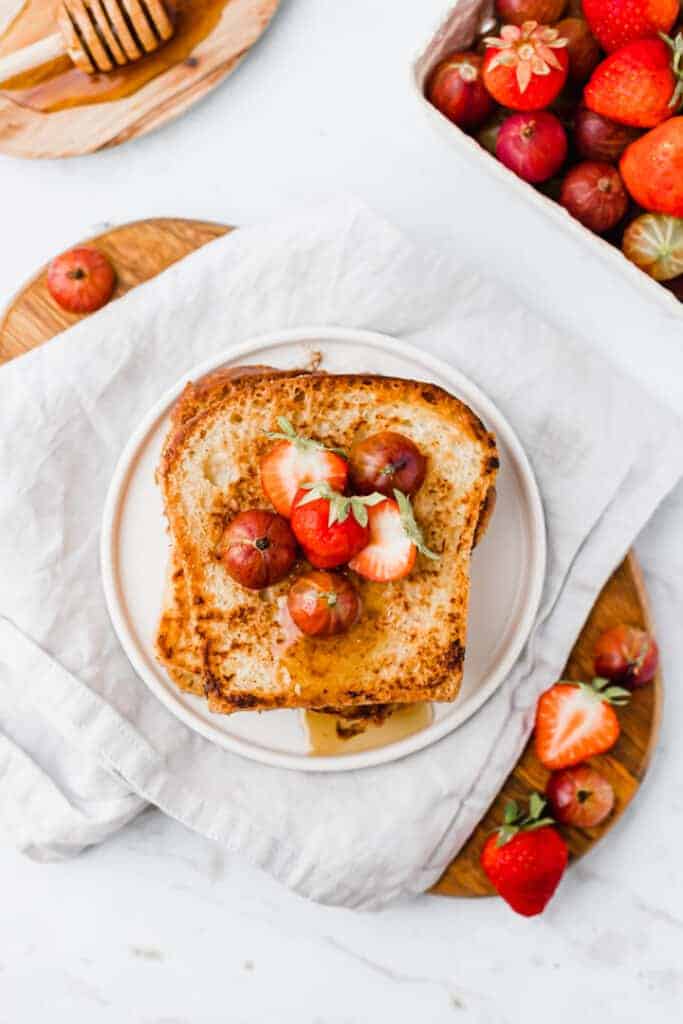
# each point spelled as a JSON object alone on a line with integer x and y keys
{"x": 32, "y": 56}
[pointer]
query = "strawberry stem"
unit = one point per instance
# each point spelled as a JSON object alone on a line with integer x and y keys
{"x": 340, "y": 504}
{"x": 515, "y": 821}
{"x": 410, "y": 527}
{"x": 599, "y": 689}
{"x": 288, "y": 433}
{"x": 676, "y": 47}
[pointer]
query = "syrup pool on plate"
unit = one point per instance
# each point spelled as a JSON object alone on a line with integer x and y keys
{"x": 331, "y": 734}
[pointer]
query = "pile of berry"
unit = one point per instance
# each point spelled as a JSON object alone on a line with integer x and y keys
{"x": 526, "y": 856}
{"x": 582, "y": 100}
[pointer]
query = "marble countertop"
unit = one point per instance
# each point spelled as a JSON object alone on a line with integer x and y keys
{"x": 159, "y": 926}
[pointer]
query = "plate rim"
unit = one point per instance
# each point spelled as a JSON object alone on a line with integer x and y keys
{"x": 302, "y": 335}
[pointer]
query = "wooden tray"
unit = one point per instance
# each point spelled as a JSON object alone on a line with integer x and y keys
{"x": 83, "y": 129}
{"x": 143, "y": 249}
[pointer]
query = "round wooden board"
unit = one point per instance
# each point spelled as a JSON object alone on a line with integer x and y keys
{"x": 143, "y": 249}
{"x": 84, "y": 129}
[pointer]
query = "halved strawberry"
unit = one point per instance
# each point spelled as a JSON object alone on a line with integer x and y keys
{"x": 575, "y": 721}
{"x": 296, "y": 460}
{"x": 395, "y": 539}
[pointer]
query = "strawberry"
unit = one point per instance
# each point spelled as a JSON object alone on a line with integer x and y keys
{"x": 526, "y": 67}
{"x": 652, "y": 168}
{"x": 395, "y": 539}
{"x": 330, "y": 527}
{"x": 81, "y": 280}
{"x": 297, "y": 460}
{"x": 525, "y": 858}
{"x": 639, "y": 84}
{"x": 617, "y": 22}
{"x": 574, "y": 721}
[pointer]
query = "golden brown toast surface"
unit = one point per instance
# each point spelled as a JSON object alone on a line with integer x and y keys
{"x": 410, "y": 642}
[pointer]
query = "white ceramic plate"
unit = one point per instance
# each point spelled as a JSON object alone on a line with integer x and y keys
{"x": 507, "y": 568}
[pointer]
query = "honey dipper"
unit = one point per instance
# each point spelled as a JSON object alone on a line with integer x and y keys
{"x": 98, "y": 35}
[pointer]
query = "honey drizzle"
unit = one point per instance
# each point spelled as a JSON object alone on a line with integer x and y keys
{"x": 330, "y": 735}
{"x": 58, "y": 85}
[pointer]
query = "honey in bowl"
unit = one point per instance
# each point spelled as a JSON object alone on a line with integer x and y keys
{"x": 59, "y": 85}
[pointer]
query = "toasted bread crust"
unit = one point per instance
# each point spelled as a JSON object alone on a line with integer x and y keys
{"x": 220, "y": 635}
{"x": 178, "y": 646}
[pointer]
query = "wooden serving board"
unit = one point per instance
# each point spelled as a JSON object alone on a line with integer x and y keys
{"x": 143, "y": 249}
{"x": 28, "y": 131}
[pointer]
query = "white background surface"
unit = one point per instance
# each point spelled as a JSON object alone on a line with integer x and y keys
{"x": 160, "y": 927}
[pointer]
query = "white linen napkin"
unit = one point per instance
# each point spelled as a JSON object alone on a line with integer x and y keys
{"x": 83, "y": 743}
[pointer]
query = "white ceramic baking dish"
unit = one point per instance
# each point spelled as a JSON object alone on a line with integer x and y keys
{"x": 461, "y": 24}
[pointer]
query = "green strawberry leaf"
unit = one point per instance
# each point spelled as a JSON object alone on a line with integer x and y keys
{"x": 505, "y": 834}
{"x": 341, "y": 505}
{"x": 514, "y": 821}
{"x": 411, "y": 529}
{"x": 676, "y": 46}
{"x": 617, "y": 695}
{"x": 531, "y": 826}
{"x": 360, "y": 513}
{"x": 511, "y": 812}
{"x": 600, "y": 689}
{"x": 536, "y": 805}
{"x": 288, "y": 433}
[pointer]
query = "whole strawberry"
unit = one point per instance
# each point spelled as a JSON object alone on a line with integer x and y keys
{"x": 640, "y": 84}
{"x": 526, "y": 67}
{"x": 525, "y": 858}
{"x": 330, "y": 527}
{"x": 652, "y": 168}
{"x": 617, "y": 22}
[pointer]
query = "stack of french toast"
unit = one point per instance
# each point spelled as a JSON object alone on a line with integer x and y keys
{"x": 321, "y": 528}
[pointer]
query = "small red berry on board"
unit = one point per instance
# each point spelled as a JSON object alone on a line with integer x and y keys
{"x": 296, "y": 460}
{"x": 639, "y": 84}
{"x": 525, "y": 858}
{"x": 575, "y": 721}
{"x": 582, "y": 47}
{"x": 395, "y": 539}
{"x": 598, "y": 138}
{"x": 625, "y": 654}
{"x": 516, "y": 12}
{"x": 595, "y": 195}
{"x": 652, "y": 168}
{"x": 533, "y": 145}
{"x": 526, "y": 66}
{"x": 330, "y": 527}
{"x": 81, "y": 280}
{"x": 617, "y": 22}
{"x": 258, "y": 548}
{"x": 580, "y": 796}
{"x": 323, "y": 603}
{"x": 456, "y": 89}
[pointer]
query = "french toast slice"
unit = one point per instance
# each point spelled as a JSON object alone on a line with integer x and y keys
{"x": 409, "y": 644}
{"x": 178, "y": 646}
